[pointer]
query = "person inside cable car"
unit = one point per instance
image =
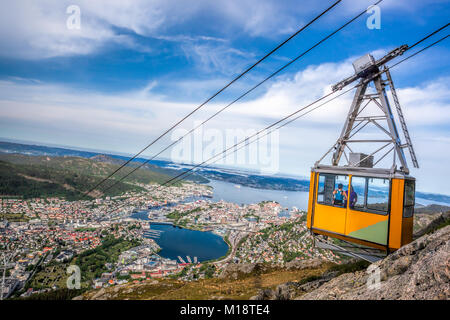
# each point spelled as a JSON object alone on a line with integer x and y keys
{"x": 353, "y": 198}
{"x": 339, "y": 195}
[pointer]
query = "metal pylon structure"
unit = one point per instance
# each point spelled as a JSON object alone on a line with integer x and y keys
{"x": 369, "y": 71}
{"x": 402, "y": 119}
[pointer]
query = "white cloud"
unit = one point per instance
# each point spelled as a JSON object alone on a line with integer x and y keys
{"x": 423, "y": 105}
{"x": 202, "y": 30}
{"x": 37, "y": 29}
{"x": 427, "y": 104}
{"x": 213, "y": 58}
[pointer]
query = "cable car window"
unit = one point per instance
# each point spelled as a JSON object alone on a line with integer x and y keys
{"x": 331, "y": 189}
{"x": 409, "y": 192}
{"x": 378, "y": 194}
{"x": 357, "y": 193}
{"x": 408, "y": 208}
{"x": 320, "y": 189}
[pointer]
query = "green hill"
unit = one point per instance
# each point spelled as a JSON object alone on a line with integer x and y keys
{"x": 69, "y": 177}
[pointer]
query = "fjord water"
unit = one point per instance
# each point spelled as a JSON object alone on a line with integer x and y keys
{"x": 181, "y": 242}
{"x": 246, "y": 195}
{"x": 175, "y": 241}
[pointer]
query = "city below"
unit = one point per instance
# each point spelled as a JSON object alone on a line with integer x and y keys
{"x": 44, "y": 236}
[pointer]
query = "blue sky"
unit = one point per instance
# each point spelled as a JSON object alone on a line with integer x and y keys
{"x": 136, "y": 67}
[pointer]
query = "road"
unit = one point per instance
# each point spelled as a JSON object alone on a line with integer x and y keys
{"x": 233, "y": 243}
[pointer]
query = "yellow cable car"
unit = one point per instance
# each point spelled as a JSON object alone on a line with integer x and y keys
{"x": 369, "y": 208}
{"x": 373, "y": 207}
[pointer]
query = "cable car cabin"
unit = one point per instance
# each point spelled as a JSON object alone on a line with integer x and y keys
{"x": 367, "y": 206}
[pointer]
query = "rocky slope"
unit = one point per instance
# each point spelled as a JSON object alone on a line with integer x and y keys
{"x": 419, "y": 270}
{"x": 427, "y": 223}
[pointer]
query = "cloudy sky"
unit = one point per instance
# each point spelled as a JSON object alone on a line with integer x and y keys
{"x": 136, "y": 67}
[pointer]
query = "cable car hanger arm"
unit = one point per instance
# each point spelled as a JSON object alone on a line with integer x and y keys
{"x": 376, "y": 64}
{"x": 373, "y": 67}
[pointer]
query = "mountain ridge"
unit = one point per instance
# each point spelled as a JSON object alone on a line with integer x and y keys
{"x": 43, "y": 176}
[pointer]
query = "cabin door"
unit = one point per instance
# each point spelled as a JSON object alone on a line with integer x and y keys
{"x": 368, "y": 212}
{"x": 330, "y": 211}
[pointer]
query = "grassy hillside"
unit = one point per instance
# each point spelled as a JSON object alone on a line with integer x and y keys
{"x": 69, "y": 177}
{"x": 241, "y": 288}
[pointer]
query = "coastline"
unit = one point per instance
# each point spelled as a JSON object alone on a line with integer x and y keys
{"x": 176, "y": 225}
{"x": 224, "y": 238}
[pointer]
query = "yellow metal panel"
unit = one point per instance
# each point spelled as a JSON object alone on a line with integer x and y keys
{"x": 330, "y": 218}
{"x": 358, "y": 220}
{"x": 362, "y": 242}
{"x": 312, "y": 184}
{"x": 395, "y": 228}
